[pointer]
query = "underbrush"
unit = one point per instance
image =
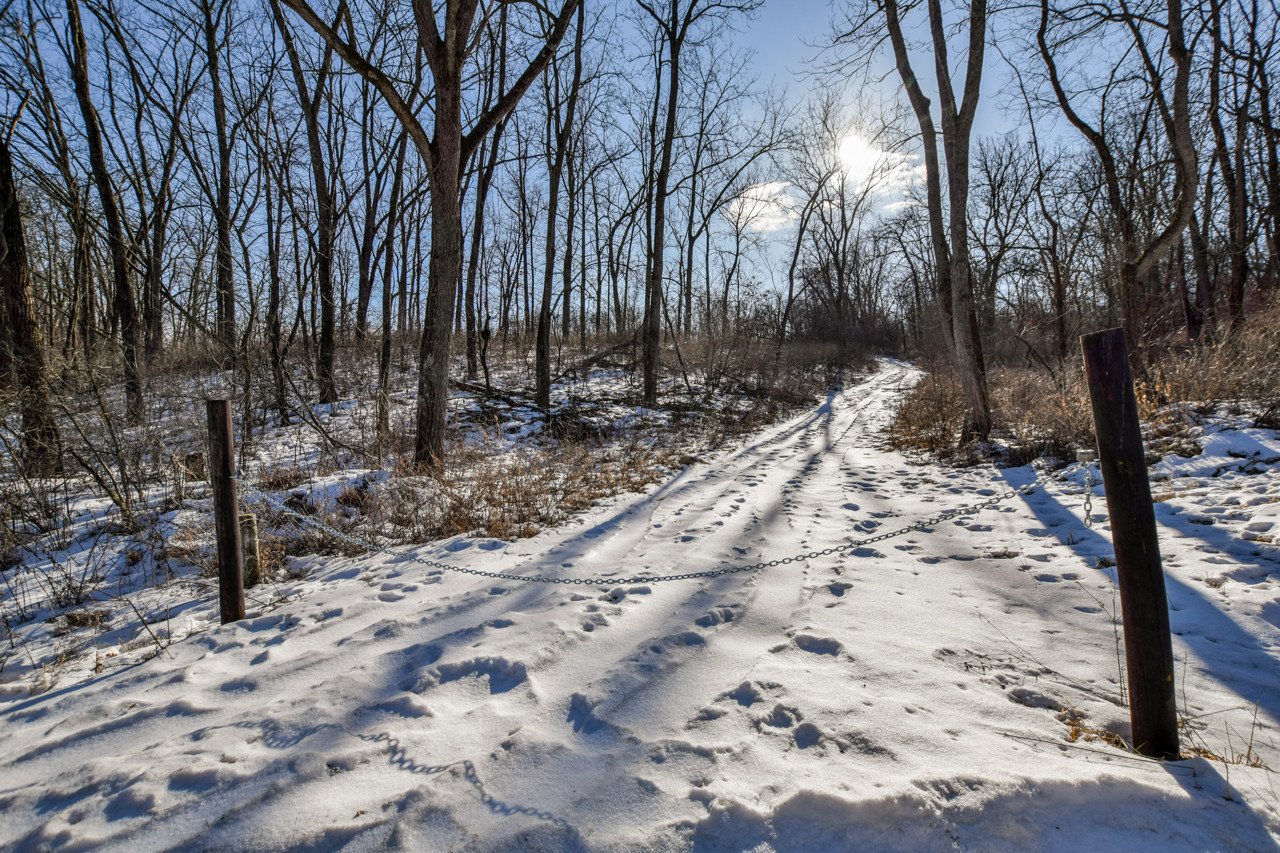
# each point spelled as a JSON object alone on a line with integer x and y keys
{"x": 1034, "y": 415}
{"x": 1038, "y": 414}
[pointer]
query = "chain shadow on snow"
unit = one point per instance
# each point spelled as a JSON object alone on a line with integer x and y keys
{"x": 1193, "y": 616}
{"x": 580, "y": 545}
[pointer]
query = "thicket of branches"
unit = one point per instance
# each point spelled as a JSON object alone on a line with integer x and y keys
{"x": 255, "y": 184}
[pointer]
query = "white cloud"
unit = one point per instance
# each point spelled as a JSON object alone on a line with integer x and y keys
{"x": 764, "y": 207}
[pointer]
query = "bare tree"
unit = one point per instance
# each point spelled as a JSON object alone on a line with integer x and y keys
{"x": 123, "y": 301}
{"x": 560, "y": 112}
{"x": 448, "y": 43}
{"x": 676, "y": 21}
{"x": 326, "y": 205}
{"x": 1138, "y": 256}
{"x": 948, "y": 228}
{"x": 40, "y": 443}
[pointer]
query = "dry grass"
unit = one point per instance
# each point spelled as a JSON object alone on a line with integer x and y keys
{"x": 1034, "y": 415}
{"x": 281, "y": 478}
{"x": 929, "y": 420}
{"x": 1241, "y": 369}
{"x": 1037, "y": 414}
{"x": 1040, "y": 415}
{"x": 511, "y": 495}
{"x": 1078, "y": 730}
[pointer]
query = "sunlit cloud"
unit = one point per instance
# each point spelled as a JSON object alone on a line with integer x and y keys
{"x": 889, "y": 174}
{"x": 887, "y": 177}
{"x": 764, "y": 207}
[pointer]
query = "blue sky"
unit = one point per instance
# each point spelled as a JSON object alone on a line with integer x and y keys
{"x": 783, "y": 36}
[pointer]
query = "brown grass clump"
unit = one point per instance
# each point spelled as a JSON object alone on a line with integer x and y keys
{"x": 1036, "y": 413}
{"x": 1041, "y": 415}
{"x": 281, "y": 478}
{"x": 1078, "y": 730}
{"x": 931, "y": 416}
{"x": 1235, "y": 368}
{"x": 509, "y": 496}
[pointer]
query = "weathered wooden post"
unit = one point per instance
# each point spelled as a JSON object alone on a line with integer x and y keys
{"x": 226, "y": 516}
{"x": 1147, "y": 644}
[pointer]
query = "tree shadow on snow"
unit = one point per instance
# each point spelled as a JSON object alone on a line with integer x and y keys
{"x": 1214, "y": 636}
{"x": 980, "y": 814}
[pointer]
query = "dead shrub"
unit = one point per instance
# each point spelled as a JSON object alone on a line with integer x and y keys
{"x": 1241, "y": 369}
{"x": 1040, "y": 415}
{"x": 281, "y": 478}
{"x": 508, "y": 495}
{"x": 929, "y": 420}
{"x": 93, "y": 619}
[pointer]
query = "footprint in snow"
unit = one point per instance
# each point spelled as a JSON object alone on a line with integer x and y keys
{"x": 807, "y": 735}
{"x": 781, "y": 717}
{"x": 239, "y": 685}
{"x": 717, "y": 616}
{"x": 502, "y": 675}
{"x": 406, "y": 705}
{"x": 745, "y": 694}
{"x": 817, "y": 645}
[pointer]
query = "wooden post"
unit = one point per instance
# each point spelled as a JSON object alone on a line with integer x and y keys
{"x": 249, "y": 548}
{"x": 226, "y": 516}
{"x": 1147, "y": 644}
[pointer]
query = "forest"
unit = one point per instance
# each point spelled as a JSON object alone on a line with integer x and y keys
{"x": 634, "y": 426}
{"x": 263, "y": 188}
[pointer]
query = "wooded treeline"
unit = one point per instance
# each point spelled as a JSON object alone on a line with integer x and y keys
{"x": 262, "y": 182}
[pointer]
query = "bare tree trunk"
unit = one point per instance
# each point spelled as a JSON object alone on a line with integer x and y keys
{"x": 954, "y": 268}
{"x": 384, "y": 352}
{"x": 652, "y": 335}
{"x": 40, "y": 444}
{"x": 224, "y": 271}
{"x": 123, "y": 302}
{"x": 326, "y": 205}
{"x": 1137, "y": 258}
{"x": 560, "y": 143}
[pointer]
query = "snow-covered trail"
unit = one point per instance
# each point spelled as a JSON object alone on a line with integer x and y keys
{"x": 909, "y": 697}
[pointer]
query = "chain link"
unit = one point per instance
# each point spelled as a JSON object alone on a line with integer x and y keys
{"x": 1086, "y": 458}
{"x": 920, "y": 525}
{"x": 1088, "y": 496}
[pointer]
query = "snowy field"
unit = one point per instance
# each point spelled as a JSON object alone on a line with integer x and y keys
{"x": 951, "y": 688}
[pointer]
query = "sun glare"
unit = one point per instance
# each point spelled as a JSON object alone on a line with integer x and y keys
{"x": 857, "y": 158}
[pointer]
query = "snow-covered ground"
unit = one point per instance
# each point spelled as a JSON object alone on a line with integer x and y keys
{"x": 948, "y": 688}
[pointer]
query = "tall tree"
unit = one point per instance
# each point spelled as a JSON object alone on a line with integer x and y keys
{"x": 123, "y": 301}
{"x": 560, "y": 113}
{"x": 1138, "y": 255}
{"x": 215, "y": 21}
{"x": 326, "y": 203}
{"x": 39, "y": 430}
{"x": 447, "y": 40}
{"x": 948, "y": 226}
{"x": 676, "y": 22}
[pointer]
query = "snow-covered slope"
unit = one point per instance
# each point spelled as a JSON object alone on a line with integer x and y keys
{"x": 914, "y": 696}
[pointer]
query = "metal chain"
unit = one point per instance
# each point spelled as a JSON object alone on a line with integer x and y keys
{"x": 1086, "y": 458}
{"x": 1088, "y": 496}
{"x": 922, "y": 524}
